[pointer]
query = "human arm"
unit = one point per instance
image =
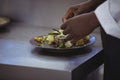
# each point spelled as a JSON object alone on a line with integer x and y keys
{"x": 83, "y": 7}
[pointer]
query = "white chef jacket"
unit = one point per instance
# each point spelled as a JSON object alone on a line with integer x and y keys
{"x": 108, "y": 15}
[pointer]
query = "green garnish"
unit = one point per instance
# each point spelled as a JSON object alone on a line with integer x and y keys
{"x": 61, "y": 45}
{"x": 53, "y": 33}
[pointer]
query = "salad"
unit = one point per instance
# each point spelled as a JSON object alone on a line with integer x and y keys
{"x": 56, "y": 39}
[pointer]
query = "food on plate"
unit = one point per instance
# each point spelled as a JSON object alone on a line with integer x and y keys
{"x": 56, "y": 39}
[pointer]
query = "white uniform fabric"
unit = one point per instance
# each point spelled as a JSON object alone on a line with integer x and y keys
{"x": 108, "y": 15}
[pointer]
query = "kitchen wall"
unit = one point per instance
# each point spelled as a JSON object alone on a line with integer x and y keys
{"x": 36, "y": 12}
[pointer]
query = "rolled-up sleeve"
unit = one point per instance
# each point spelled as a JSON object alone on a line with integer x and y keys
{"x": 106, "y": 20}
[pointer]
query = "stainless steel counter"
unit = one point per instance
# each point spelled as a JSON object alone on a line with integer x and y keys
{"x": 19, "y": 60}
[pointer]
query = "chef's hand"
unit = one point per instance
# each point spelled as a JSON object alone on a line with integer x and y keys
{"x": 83, "y": 7}
{"x": 80, "y": 26}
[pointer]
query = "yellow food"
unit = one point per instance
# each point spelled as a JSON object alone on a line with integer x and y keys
{"x": 50, "y": 39}
{"x": 38, "y": 39}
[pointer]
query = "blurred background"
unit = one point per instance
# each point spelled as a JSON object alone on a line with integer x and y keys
{"x": 36, "y": 12}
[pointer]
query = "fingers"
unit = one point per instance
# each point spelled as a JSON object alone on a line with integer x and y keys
{"x": 69, "y": 14}
{"x": 64, "y": 19}
{"x": 66, "y": 27}
{"x": 69, "y": 37}
{"x": 63, "y": 26}
{"x": 72, "y": 39}
{"x": 67, "y": 30}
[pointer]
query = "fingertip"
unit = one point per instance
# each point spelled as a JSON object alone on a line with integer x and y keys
{"x": 64, "y": 19}
{"x": 75, "y": 39}
{"x": 69, "y": 37}
{"x": 63, "y": 26}
{"x": 64, "y": 32}
{"x": 67, "y": 31}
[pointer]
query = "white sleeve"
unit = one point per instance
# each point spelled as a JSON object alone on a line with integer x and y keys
{"x": 105, "y": 18}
